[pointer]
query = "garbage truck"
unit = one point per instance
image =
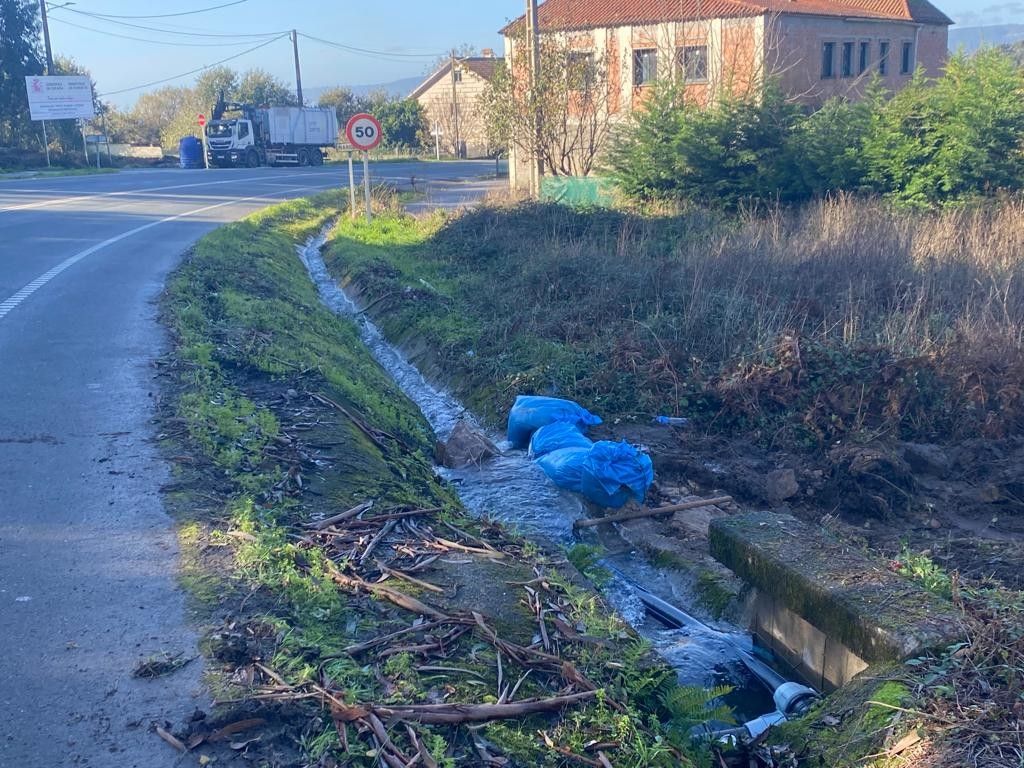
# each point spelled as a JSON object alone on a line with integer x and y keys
{"x": 241, "y": 134}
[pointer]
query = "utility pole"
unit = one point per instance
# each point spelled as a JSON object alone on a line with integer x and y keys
{"x": 536, "y": 164}
{"x": 46, "y": 38}
{"x": 455, "y": 109}
{"x": 298, "y": 72}
{"x": 49, "y": 70}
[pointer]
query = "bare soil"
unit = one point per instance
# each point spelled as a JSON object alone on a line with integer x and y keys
{"x": 963, "y": 503}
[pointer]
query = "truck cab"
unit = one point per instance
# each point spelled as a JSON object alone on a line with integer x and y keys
{"x": 232, "y": 142}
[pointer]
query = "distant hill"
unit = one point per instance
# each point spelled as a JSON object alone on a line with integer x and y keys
{"x": 972, "y": 38}
{"x": 399, "y": 88}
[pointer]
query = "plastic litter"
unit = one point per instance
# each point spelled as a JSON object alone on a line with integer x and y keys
{"x": 532, "y": 412}
{"x": 565, "y": 467}
{"x": 671, "y": 421}
{"x": 556, "y": 436}
{"x": 614, "y": 473}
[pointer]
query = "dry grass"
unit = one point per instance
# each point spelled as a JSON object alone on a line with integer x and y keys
{"x": 858, "y": 316}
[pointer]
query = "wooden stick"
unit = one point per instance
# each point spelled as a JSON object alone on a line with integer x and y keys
{"x": 590, "y": 523}
{"x": 492, "y": 553}
{"x": 446, "y": 714}
{"x": 327, "y": 522}
{"x": 377, "y": 540}
{"x": 424, "y": 627}
{"x": 410, "y": 579}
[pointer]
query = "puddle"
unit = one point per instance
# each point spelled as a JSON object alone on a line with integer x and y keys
{"x": 514, "y": 490}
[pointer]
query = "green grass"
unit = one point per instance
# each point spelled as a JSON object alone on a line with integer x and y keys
{"x": 248, "y": 327}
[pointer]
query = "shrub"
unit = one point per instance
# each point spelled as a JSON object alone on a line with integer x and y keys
{"x": 959, "y": 138}
{"x": 937, "y": 142}
{"x": 728, "y": 153}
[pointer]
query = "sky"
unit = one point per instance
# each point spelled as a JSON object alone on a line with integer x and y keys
{"x": 409, "y": 33}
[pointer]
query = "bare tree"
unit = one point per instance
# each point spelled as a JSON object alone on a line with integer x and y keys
{"x": 571, "y": 96}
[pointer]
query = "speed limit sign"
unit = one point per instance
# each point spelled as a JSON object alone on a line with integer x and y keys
{"x": 363, "y": 132}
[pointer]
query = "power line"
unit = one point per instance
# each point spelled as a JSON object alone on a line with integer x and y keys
{"x": 165, "y": 31}
{"x": 176, "y": 43}
{"x": 368, "y": 52}
{"x": 169, "y": 15}
{"x": 194, "y": 71}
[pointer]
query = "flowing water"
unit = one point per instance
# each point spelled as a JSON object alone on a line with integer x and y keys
{"x": 514, "y": 490}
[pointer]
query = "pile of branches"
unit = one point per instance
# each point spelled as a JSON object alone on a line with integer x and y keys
{"x": 376, "y": 555}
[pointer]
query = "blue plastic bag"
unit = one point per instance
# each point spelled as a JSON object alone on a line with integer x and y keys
{"x": 556, "y": 436}
{"x": 565, "y": 467}
{"x": 613, "y": 473}
{"x": 530, "y": 413}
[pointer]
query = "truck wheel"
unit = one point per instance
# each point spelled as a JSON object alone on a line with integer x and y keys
{"x": 252, "y": 159}
{"x": 316, "y": 156}
{"x": 303, "y": 157}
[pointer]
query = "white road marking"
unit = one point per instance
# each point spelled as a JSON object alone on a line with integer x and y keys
{"x": 122, "y": 193}
{"x": 12, "y": 302}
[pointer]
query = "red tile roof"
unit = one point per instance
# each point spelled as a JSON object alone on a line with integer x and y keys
{"x": 555, "y": 15}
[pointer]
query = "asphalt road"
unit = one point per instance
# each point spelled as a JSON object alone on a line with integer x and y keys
{"x": 87, "y": 553}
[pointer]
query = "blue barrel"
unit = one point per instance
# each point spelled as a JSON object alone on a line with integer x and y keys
{"x": 190, "y": 152}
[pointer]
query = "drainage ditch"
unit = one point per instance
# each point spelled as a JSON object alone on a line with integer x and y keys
{"x": 513, "y": 490}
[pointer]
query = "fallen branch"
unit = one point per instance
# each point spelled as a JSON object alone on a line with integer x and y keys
{"x": 400, "y": 599}
{"x": 410, "y": 579}
{"x": 639, "y": 514}
{"x": 362, "y": 426}
{"x": 327, "y": 522}
{"x": 455, "y": 714}
{"x": 492, "y": 553}
{"x": 425, "y": 627}
{"x": 390, "y": 526}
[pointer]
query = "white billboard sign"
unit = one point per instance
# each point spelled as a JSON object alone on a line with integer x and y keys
{"x": 54, "y": 97}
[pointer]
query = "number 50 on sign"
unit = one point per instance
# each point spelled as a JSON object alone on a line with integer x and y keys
{"x": 363, "y": 132}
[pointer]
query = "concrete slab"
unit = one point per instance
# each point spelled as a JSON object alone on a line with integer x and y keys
{"x": 849, "y": 596}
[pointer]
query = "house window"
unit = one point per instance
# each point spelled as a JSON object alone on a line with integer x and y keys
{"x": 828, "y": 61}
{"x": 883, "y": 57}
{"x": 457, "y": 75}
{"x": 907, "y": 60}
{"x": 692, "y": 61}
{"x": 847, "y": 62}
{"x": 865, "y": 57}
{"x": 645, "y": 66}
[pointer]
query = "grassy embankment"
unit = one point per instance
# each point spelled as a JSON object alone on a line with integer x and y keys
{"x": 844, "y": 320}
{"x": 798, "y": 327}
{"x": 277, "y": 416}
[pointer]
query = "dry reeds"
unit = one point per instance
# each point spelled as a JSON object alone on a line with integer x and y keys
{"x": 661, "y": 304}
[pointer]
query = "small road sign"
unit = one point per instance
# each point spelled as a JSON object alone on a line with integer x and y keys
{"x": 363, "y": 132}
{"x": 202, "y": 121}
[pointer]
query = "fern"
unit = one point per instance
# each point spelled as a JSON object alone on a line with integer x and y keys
{"x": 690, "y": 705}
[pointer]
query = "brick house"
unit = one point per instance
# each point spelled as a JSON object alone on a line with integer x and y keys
{"x": 445, "y": 98}
{"x": 815, "y": 49}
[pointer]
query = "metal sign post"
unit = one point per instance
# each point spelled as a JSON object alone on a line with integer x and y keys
{"x": 46, "y": 144}
{"x": 351, "y": 186}
{"x": 85, "y": 143}
{"x": 202, "y": 130}
{"x": 366, "y": 185}
{"x": 364, "y": 133}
